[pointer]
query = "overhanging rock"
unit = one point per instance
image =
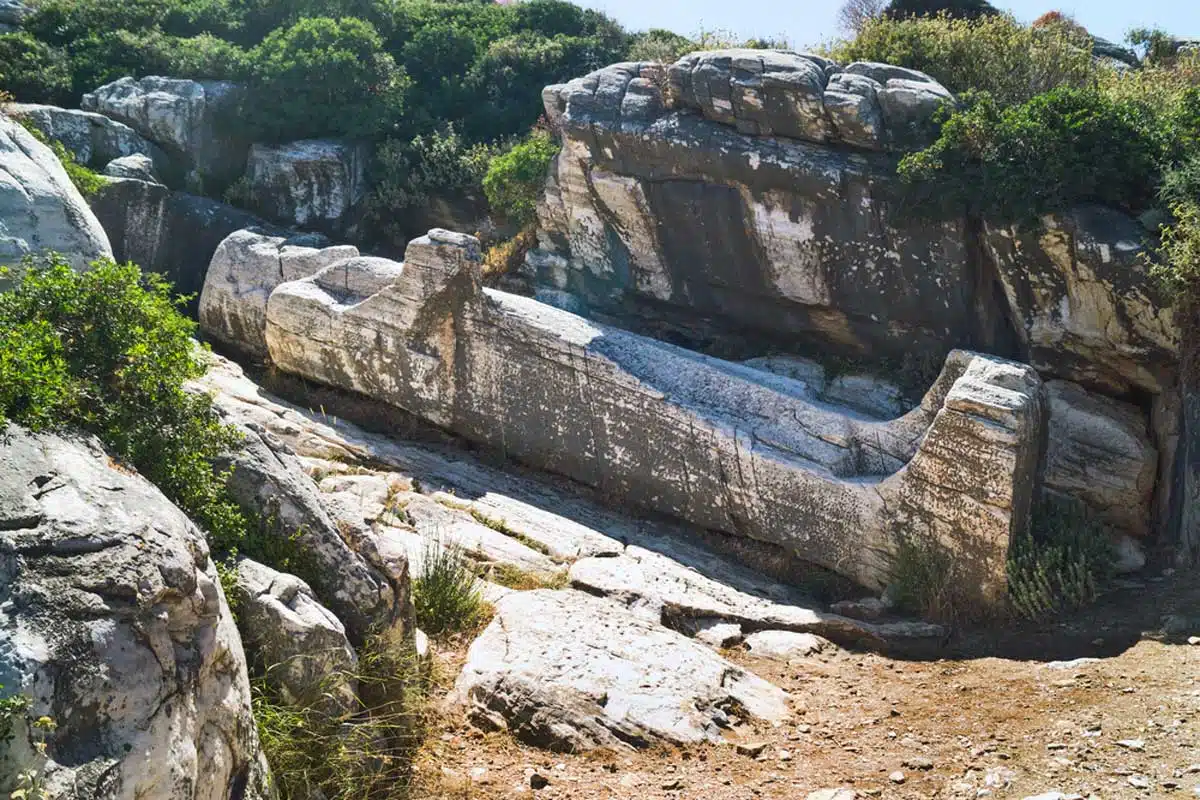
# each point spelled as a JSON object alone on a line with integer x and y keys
{"x": 716, "y": 443}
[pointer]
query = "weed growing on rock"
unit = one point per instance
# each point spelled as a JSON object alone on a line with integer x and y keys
{"x": 86, "y": 180}
{"x": 925, "y": 582}
{"x": 444, "y": 593}
{"x": 1061, "y": 563}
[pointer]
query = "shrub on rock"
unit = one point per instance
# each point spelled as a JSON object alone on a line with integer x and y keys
{"x": 108, "y": 351}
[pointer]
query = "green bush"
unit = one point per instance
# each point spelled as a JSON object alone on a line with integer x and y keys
{"x": 408, "y": 175}
{"x": 515, "y": 180}
{"x": 323, "y": 77}
{"x": 994, "y": 54}
{"x": 1061, "y": 148}
{"x": 659, "y": 45}
{"x": 33, "y": 71}
{"x": 444, "y": 592}
{"x": 107, "y": 351}
{"x": 1061, "y": 564}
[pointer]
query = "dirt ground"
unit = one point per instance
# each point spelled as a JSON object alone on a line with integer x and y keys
{"x": 988, "y": 714}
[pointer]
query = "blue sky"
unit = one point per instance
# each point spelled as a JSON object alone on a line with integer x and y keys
{"x": 806, "y": 23}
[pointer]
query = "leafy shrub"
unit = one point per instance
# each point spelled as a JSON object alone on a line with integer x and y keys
{"x": 33, "y": 71}
{"x": 408, "y": 174}
{"x": 1061, "y": 148}
{"x": 660, "y": 45}
{"x": 323, "y": 77}
{"x": 505, "y": 84}
{"x": 444, "y": 593}
{"x": 994, "y": 54}
{"x": 1061, "y": 563}
{"x": 515, "y": 180}
{"x": 108, "y": 351}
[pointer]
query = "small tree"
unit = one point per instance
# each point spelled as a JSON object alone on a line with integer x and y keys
{"x": 857, "y": 13}
{"x": 956, "y": 9}
{"x": 323, "y": 77}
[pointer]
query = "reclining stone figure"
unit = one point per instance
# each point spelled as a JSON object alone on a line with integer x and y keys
{"x": 718, "y": 444}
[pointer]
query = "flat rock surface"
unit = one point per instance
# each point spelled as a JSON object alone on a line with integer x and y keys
{"x": 570, "y": 671}
{"x": 665, "y": 584}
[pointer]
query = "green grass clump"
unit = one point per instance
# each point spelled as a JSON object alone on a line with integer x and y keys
{"x": 1061, "y": 564}
{"x": 363, "y": 755}
{"x": 445, "y": 594}
{"x": 924, "y": 581}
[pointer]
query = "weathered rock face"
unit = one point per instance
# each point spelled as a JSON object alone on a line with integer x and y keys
{"x": 92, "y": 138}
{"x": 1099, "y": 451}
{"x": 246, "y": 267}
{"x": 169, "y": 232}
{"x": 745, "y": 208}
{"x": 617, "y": 678}
{"x": 311, "y": 184}
{"x": 719, "y": 444}
{"x": 268, "y": 481}
{"x": 1084, "y": 306}
{"x": 194, "y": 121}
{"x": 672, "y": 220}
{"x": 13, "y": 12}
{"x": 40, "y": 209}
{"x": 113, "y": 623}
{"x": 808, "y": 97}
{"x": 299, "y": 645}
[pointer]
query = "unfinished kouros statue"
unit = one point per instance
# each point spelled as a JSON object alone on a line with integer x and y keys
{"x": 719, "y": 444}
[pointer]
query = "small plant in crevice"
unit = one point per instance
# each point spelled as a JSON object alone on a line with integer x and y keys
{"x": 1062, "y": 563}
{"x": 445, "y": 594}
{"x": 924, "y": 580}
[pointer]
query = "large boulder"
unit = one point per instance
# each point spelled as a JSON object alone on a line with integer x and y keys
{"x": 571, "y": 672}
{"x": 1099, "y": 451}
{"x": 802, "y": 96}
{"x": 742, "y": 225}
{"x": 196, "y": 122}
{"x": 246, "y": 267}
{"x": 92, "y": 138}
{"x": 298, "y": 645}
{"x": 113, "y": 624}
{"x": 1083, "y": 304}
{"x": 166, "y": 231}
{"x": 311, "y": 184}
{"x": 40, "y": 209}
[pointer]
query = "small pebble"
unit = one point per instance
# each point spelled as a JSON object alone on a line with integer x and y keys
{"x": 538, "y": 781}
{"x": 896, "y": 777}
{"x": 1137, "y": 745}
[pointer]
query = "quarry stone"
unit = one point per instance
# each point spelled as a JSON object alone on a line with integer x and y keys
{"x": 568, "y": 671}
